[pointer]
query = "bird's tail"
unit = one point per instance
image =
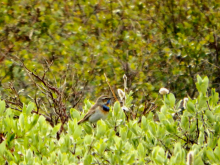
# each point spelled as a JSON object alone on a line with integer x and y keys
{"x": 81, "y": 121}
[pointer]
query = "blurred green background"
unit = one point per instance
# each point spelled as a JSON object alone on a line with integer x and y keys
{"x": 156, "y": 43}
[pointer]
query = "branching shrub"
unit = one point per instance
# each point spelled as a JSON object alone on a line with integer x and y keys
{"x": 30, "y": 139}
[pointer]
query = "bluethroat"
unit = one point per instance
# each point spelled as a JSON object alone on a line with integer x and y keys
{"x": 98, "y": 111}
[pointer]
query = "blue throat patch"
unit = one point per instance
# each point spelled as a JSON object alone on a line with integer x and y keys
{"x": 105, "y": 108}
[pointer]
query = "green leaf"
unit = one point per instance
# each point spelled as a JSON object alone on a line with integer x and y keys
{"x": 171, "y": 99}
{"x": 87, "y": 128}
{"x": 170, "y": 128}
{"x": 71, "y": 126}
{"x": 2, "y": 148}
{"x": 24, "y": 109}
{"x": 21, "y": 120}
{"x": 212, "y": 141}
{"x": 131, "y": 159}
{"x": 87, "y": 104}
{"x": 201, "y": 138}
{"x": 190, "y": 107}
{"x": 185, "y": 123}
{"x": 166, "y": 100}
{"x": 9, "y": 113}
{"x": 121, "y": 116}
{"x": 217, "y": 109}
{"x": 2, "y": 107}
{"x": 202, "y": 101}
{"x": 144, "y": 123}
{"x": 9, "y": 154}
{"x": 56, "y": 129}
{"x": 210, "y": 154}
{"x": 101, "y": 128}
{"x": 117, "y": 142}
{"x": 29, "y": 157}
{"x": 218, "y": 142}
{"x": 158, "y": 155}
{"x": 10, "y": 138}
{"x": 29, "y": 109}
{"x": 217, "y": 152}
{"x": 217, "y": 127}
{"x": 123, "y": 133}
{"x": 177, "y": 147}
{"x": 101, "y": 147}
{"x": 44, "y": 161}
{"x": 88, "y": 139}
{"x": 160, "y": 131}
{"x": 213, "y": 100}
{"x": 87, "y": 160}
{"x": 161, "y": 115}
{"x": 141, "y": 151}
{"x": 198, "y": 160}
{"x": 29, "y": 154}
{"x": 152, "y": 128}
{"x": 193, "y": 126}
{"x": 116, "y": 109}
{"x": 33, "y": 122}
{"x": 210, "y": 116}
{"x": 199, "y": 79}
{"x": 77, "y": 132}
{"x": 74, "y": 113}
{"x": 150, "y": 116}
{"x": 202, "y": 85}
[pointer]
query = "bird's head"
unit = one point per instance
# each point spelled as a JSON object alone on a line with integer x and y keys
{"x": 103, "y": 100}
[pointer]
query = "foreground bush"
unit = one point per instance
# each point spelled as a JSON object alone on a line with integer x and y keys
{"x": 28, "y": 138}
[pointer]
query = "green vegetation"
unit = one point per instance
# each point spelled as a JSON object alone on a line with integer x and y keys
{"x": 155, "y": 43}
{"x": 32, "y": 140}
{"x": 53, "y": 58}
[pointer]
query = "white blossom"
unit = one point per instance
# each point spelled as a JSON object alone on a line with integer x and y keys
{"x": 121, "y": 94}
{"x": 163, "y": 91}
{"x": 125, "y": 108}
{"x": 190, "y": 160}
{"x": 185, "y": 101}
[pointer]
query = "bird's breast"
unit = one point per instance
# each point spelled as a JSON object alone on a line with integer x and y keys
{"x": 99, "y": 114}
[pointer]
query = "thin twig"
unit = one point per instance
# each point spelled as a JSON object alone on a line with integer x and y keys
{"x": 47, "y": 117}
{"x": 106, "y": 79}
{"x": 210, "y": 63}
{"x": 197, "y": 125}
{"x": 208, "y": 105}
{"x": 165, "y": 147}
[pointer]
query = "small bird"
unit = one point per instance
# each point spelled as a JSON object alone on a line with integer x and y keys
{"x": 98, "y": 111}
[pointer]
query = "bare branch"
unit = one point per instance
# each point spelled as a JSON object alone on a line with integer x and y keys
{"x": 106, "y": 79}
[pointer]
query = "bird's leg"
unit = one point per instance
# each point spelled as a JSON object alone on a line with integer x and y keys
{"x": 93, "y": 125}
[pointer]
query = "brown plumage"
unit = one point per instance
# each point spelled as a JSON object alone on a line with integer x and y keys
{"x": 97, "y": 111}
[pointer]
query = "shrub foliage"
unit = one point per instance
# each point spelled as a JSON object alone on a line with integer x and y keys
{"x": 28, "y": 138}
{"x": 155, "y": 43}
{"x": 54, "y": 54}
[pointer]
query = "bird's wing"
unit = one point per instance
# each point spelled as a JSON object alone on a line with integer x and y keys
{"x": 88, "y": 114}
